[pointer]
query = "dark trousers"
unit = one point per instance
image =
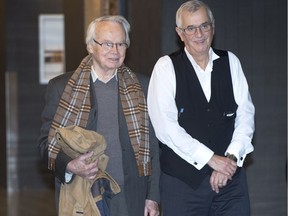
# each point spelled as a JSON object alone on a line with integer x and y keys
{"x": 177, "y": 198}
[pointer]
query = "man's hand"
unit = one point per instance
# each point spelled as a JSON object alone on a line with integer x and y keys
{"x": 151, "y": 208}
{"x": 218, "y": 180}
{"x": 223, "y": 165}
{"x": 80, "y": 167}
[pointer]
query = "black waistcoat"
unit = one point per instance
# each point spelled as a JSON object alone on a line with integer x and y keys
{"x": 211, "y": 123}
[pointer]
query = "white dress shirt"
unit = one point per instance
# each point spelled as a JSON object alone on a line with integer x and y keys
{"x": 164, "y": 113}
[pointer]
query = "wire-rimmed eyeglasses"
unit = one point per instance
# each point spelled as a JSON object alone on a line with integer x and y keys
{"x": 110, "y": 45}
{"x": 191, "y": 30}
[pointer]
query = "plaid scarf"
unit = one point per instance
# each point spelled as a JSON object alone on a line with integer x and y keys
{"x": 74, "y": 108}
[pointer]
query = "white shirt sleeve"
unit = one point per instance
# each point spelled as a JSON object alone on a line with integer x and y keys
{"x": 164, "y": 116}
{"x": 241, "y": 144}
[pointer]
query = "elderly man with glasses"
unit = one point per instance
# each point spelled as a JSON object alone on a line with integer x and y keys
{"x": 202, "y": 113}
{"x": 105, "y": 96}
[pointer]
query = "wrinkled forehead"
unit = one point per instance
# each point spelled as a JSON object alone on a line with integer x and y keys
{"x": 111, "y": 28}
{"x": 195, "y": 18}
{"x": 108, "y": 25}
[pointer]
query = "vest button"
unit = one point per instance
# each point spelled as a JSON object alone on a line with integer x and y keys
{"x": 208, "y": 110}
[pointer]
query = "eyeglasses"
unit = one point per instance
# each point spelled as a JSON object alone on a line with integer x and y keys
{"x": 110, "y": 45}
{"x": 191, "y": 30}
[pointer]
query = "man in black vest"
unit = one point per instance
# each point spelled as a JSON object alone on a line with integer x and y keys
{"x": 200, "y": 106}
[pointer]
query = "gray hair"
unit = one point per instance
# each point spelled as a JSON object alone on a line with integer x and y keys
{"x": 192, "y": 6}
{"x": 117, "y": 18}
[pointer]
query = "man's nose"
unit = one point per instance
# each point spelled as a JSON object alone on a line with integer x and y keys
{"x": 199, "y": 31}
{"x": 115, "y": 48}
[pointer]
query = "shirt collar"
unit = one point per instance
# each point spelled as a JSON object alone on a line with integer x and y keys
{"x": 95, "y": 76}
{"x": 212, "y": 56}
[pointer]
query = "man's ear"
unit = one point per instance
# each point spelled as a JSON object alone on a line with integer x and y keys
{"x": 179, "y": 32}
{"x": 90, "y": 48}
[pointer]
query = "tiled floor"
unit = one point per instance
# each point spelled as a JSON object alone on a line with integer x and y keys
{"x": 27, "y": 203}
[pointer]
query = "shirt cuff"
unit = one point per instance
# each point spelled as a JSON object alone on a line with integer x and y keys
{"x": 202, "y": 157}
{"x": 68, "y": 177}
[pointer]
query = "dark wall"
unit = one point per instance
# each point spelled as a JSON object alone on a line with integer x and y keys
{"x": 75, "y": 48}
{"x": 145, "y": 20}
{"x": 250, "y": 30}
{"x": 22, "y": 58}
{"x": 3, "y": 170}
